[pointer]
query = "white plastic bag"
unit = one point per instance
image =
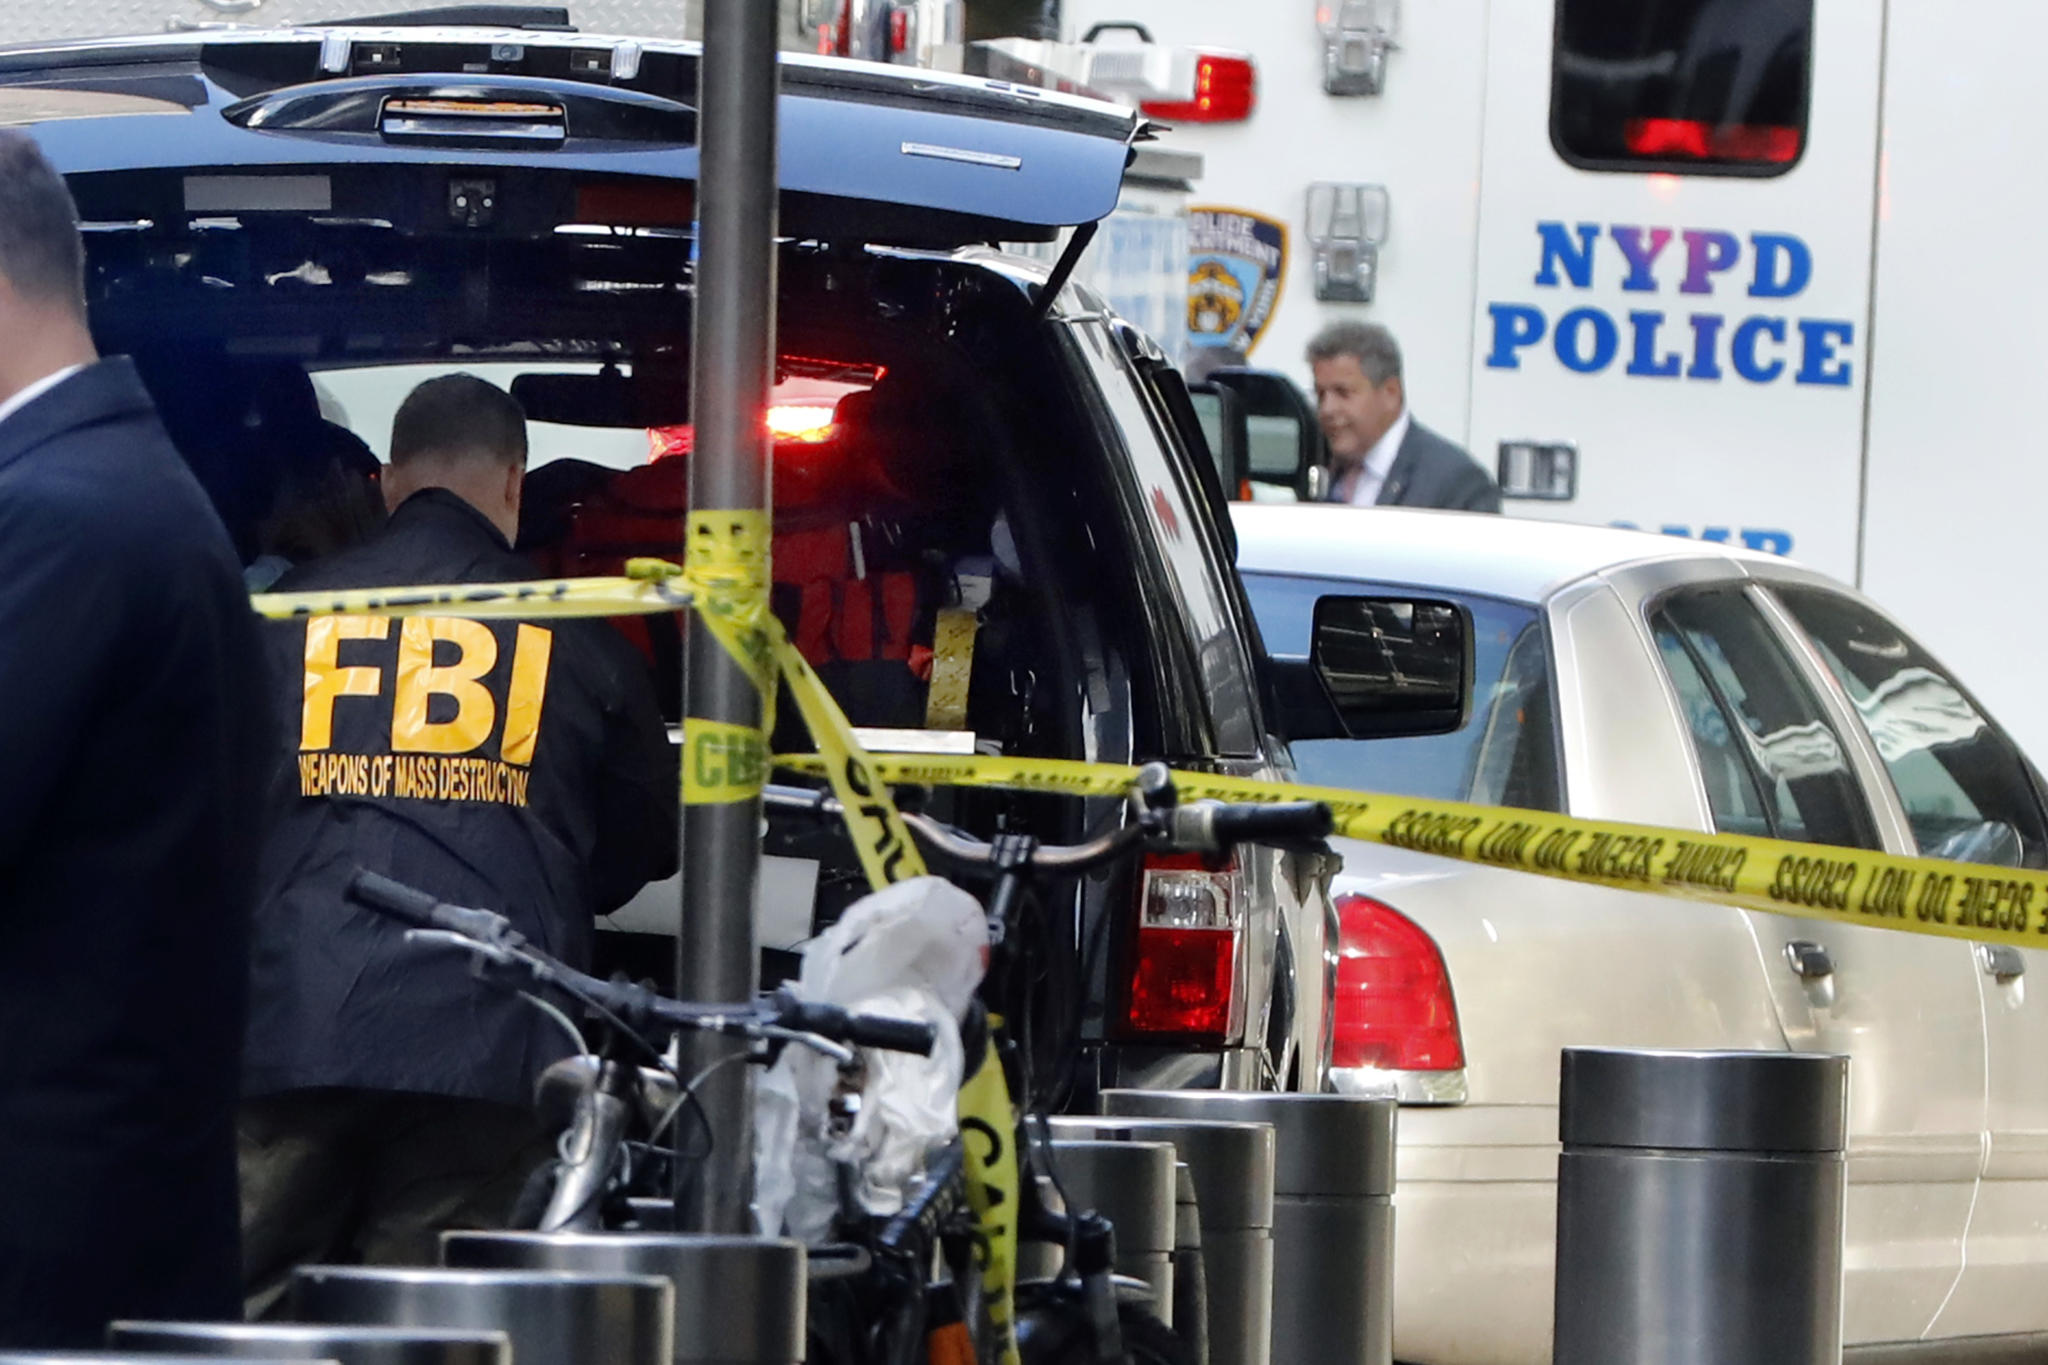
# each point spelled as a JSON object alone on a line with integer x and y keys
{"x": 916, "y": 950}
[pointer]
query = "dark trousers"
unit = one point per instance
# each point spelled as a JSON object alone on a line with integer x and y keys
{"x": 98, "y": 1222}
{"x": 368, "y": 1177}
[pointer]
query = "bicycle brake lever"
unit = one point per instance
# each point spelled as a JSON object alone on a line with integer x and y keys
{"x": 447, "y": 938}
{"x": 815, "y": 1042}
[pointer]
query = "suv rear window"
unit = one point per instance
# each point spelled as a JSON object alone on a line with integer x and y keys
{"x": 1699, "y": 87}
{"x": 1506, "y": 752}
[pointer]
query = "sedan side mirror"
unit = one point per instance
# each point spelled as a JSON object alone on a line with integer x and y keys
{"x": 1378, "y": 668}
{"x": 1273, "y": 423}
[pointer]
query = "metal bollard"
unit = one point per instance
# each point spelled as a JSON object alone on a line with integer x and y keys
{"x": 1131, "y": 1184}
{"x": 302, "y": 1342}
{"x": 1333, "y": 1213}
{"x": 553, "y": 1318}
{"x": 1190, "y": 1316}
{"x": 132, "y": 1358}
{"x": 1699, "y": 1208}
{"x": 738, "y": 1300}
{"x": 1232, "y": 1168}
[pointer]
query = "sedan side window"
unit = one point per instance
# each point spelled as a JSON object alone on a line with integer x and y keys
{"x": 1771, "y": 763}
{"x": 1965, "y": 788}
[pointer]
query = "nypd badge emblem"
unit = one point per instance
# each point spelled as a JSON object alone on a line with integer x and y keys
{"x": 1237, "y": 266}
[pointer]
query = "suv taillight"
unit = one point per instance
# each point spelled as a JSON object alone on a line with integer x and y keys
{"x": 1185, "y": 956}
{"x": 1394, "y": 1005}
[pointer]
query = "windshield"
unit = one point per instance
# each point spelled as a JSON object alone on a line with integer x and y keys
{"x": 1504, "y": 755}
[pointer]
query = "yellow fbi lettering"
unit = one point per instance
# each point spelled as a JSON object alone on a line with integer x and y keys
{"x": 438, "y": 657}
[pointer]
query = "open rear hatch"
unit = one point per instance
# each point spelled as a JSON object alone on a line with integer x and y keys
{"x": 402, "y": 125}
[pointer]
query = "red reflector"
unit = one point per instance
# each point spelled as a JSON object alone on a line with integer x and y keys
{"x": 1394, "y": 1005}
{"x": 1691, "y": 140}
{"x": 899, "y": 32}
{"x": 1226, "y": 91}
{"x": 1183, "y": 975}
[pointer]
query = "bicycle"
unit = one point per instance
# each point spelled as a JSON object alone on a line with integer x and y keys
{"x": 980, "y": 1194}
{"x": 611, "y": 1172}
{"x": 1079, "y": 1315}
{"x": 600, "y": 1095}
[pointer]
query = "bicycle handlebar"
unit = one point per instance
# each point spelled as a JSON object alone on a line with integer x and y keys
{"x": 1198, "y": 827}
{"x": 1282, "y": 822}
{"x": 862, "y": 1030}
{"x": 755, "y": 1019}
{"x": 423, "y": 911}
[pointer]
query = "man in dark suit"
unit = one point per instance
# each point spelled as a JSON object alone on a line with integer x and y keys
{"x": 1379, "y": 454}
{"x": 131, "y": 720}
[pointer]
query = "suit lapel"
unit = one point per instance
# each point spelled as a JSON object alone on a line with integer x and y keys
{"x": 1395, "y": 485}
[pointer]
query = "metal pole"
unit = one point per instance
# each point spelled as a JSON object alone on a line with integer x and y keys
{"x": 732, "y": 372}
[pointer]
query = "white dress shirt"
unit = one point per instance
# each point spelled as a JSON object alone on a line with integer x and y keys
{"x": 1370, "y": 474}
{"x": 36, "y": 390}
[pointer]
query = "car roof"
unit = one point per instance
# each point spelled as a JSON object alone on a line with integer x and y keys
{"x": 1513, "y": 558}
{"x": 951, "y": 159}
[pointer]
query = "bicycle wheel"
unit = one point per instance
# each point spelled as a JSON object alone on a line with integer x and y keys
{"x": 1052, "y": 1330}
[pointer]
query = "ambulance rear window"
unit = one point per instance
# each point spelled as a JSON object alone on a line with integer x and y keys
{"x": 1695, "y": 87}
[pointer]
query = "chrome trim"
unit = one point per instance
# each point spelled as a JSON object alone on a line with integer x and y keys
{"x": 964, "y": 155}
{"x": 1409, "y": 1087}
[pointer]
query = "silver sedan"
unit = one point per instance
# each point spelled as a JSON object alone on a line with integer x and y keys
{"x": 1703, "y": 687}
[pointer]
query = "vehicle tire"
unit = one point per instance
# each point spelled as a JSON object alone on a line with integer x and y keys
{"x": 1051, "y": 1330}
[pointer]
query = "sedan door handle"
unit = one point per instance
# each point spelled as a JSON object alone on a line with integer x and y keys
{"x": 1810, "y": 960}
{"x": 2002, "y": 961}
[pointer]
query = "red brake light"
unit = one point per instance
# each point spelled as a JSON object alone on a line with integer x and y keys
{"x": 808, "y": 423}
{"x": 1226, "y": 91}
{"x": 899, "y": 32}
{"x": 1395, "y": 1010}
{"x": 1684, "y": 139}
{"x": 1182, "y": 981}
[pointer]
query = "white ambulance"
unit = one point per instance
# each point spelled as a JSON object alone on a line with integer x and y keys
{"x": 1741, "y": 270}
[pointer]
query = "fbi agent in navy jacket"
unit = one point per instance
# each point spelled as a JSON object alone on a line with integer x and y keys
{"x": 518, "y": 766}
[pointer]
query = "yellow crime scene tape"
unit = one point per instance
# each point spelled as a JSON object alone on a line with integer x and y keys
{"x": 1814, "y": 881}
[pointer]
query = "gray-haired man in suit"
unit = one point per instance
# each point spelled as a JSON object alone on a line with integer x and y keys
{"x": 1379, "y": 454}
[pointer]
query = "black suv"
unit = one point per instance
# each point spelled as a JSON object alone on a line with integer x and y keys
{"x": 278, "y": 219}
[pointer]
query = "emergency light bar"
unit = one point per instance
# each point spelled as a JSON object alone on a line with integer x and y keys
{"x": 1141, "y": 71}
{"x": 1226, "y": 91}
{"x": 1176, "y": 84}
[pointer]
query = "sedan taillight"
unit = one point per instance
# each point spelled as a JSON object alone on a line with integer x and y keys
{"x": 1394, "y": 1011}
